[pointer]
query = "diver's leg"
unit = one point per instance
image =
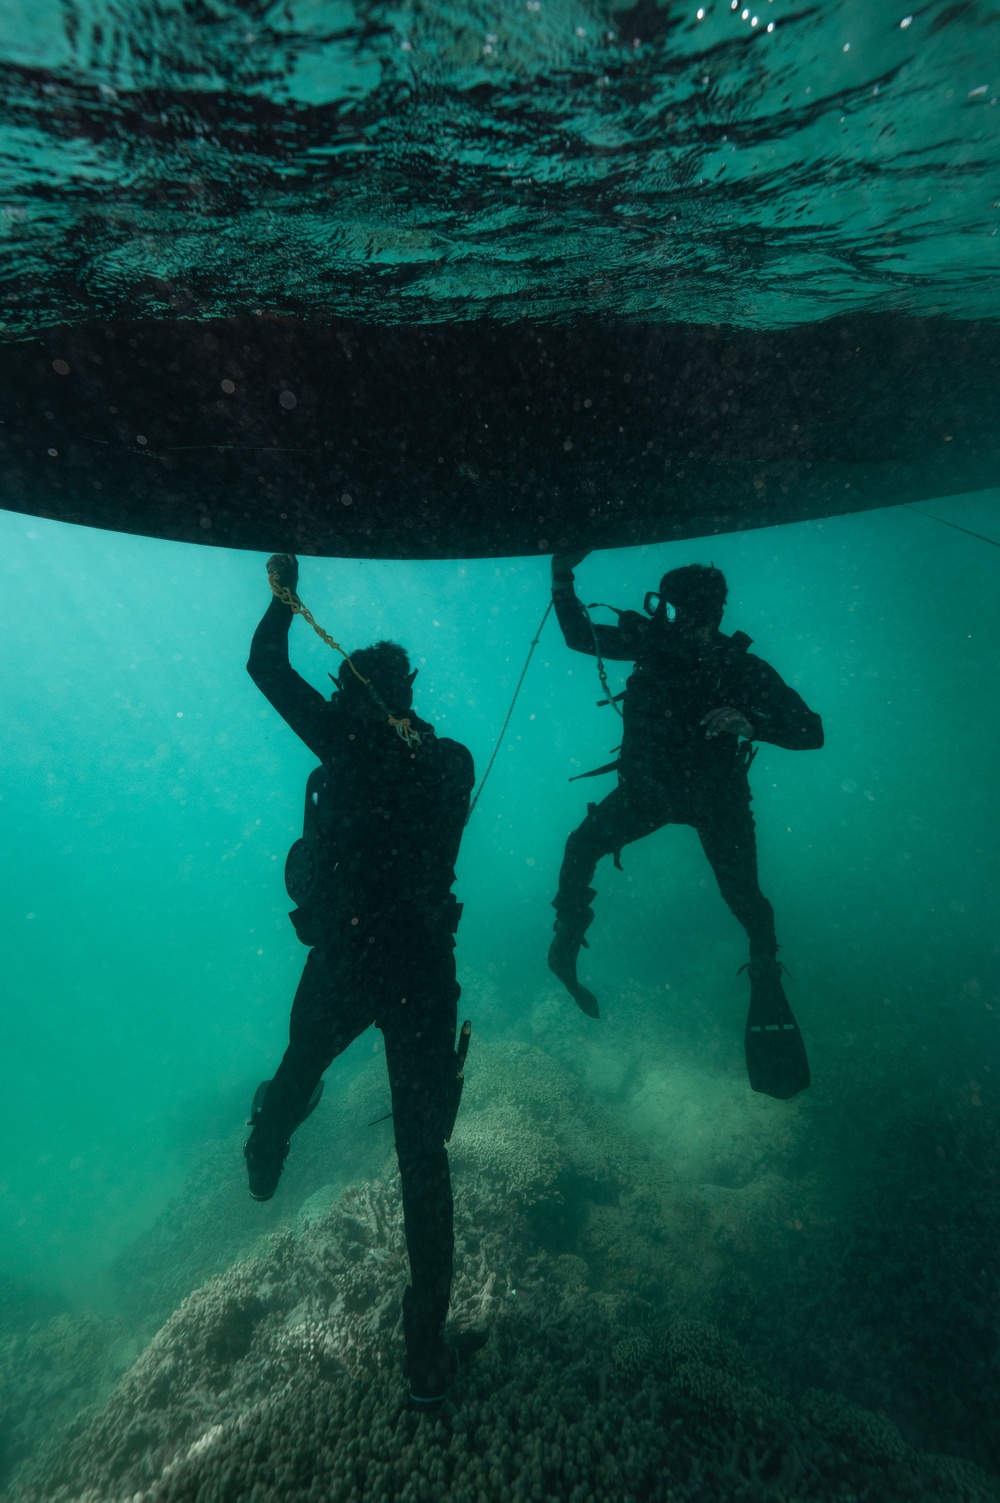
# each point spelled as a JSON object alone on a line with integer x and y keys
{"x": 609, "y": 825}
{"x": 327, "y": 1015}
{"x": 420, "y": 1056}
{"x": 729, "y": 840}
{"x": 775, "y": 1054}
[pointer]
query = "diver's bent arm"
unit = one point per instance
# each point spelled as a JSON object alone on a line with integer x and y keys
{"x": 779, "y": 715}
{"x": 297, "y": 702}
{"x": 576, "y": 628}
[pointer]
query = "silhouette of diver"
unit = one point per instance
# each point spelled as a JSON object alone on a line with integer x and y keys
{"x": 695, "y": 701}
{"x": 373, "y": 877}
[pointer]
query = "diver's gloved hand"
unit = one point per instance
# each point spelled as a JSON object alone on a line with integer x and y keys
{"x": 726, "y": 719}
{"x": 283, "y": 569}
{"x": 563, "y": 564}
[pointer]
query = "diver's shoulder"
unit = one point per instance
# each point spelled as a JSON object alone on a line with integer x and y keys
{"x": 454, "y": 755}
{"x": 753, "y": 663}
{"x": 736, "y": 645}
{"x": 757, "y": 669}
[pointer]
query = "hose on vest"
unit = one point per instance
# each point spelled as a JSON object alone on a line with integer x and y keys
{"x": 602, "y": 672}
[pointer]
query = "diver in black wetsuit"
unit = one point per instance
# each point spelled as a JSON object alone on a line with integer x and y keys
{"x": 692, "y": 706}
{"x": 374, "y": 887}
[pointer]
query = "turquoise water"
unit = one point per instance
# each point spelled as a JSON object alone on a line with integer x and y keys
{"x": 692, "y": 1293}
{"x": 150, "y": 795}
{"x": 761, "y": 165}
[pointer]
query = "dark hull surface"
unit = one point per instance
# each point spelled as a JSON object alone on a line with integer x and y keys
{"x": 420, "y": 441}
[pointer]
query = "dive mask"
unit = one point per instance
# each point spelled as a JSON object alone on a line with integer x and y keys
{"x": 655, "y": 605}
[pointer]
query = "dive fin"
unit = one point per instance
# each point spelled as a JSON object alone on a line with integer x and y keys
{"x": 584, "y": 998}
{"x": 777, "y": 1064}
{"x": 562, "y": 963}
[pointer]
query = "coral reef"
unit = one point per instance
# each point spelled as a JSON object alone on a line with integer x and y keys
{"x": 268, "y": 1385}
{"x": 885, "y": 1263}
{"x": 212, "y": 1221}
{"x": 850, "y": 1240}
{"x": 523, "y": 1107}
{"x": 279, "y": 1379}
{"x": 23, "y": 1305}
{"x": 49, "y": 1370}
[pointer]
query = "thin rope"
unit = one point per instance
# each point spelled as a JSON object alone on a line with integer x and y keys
{"x": 944, "y": 523}
{"x": 402, "y": 726}
{"x": 503, "y": 729}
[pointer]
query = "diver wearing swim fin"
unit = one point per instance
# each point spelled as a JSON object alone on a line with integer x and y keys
{"x": 693, "y": 705}
{"x": 373, "y": 877}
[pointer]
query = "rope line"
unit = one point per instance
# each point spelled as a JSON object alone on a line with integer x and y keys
{"x": 402, "y": 726}
{"x": 944, "y": 523}
{"x": 503, "y": 728}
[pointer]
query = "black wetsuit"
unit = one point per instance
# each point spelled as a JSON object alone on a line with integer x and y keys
{"x": 668, "y": 771}
{"x": 382, "y": 926}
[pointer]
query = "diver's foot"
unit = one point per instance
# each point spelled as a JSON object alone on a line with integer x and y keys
{"x": 563, "y": 951}
{"x": 430, "y": 1373}
{"x": 777, "y": 1064}
{"x": 265, "y": 1161}
{"x": 433, "y": 1369}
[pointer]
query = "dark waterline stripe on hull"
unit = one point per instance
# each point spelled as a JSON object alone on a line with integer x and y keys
{"x": 479, "y": 439}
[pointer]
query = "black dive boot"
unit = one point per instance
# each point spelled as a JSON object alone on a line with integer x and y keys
{"x": 432, "y": 1363}
{"x": 570, "y": 928}
{"x": 265, "y": 1161}
{"x": 430, "y": 1371}
{"x": 264, "y": 1153}
{"x": 775, "y": 1054}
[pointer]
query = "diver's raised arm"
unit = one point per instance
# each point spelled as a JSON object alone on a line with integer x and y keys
{"x": 579, "y": 633}
{"x": 297, "y": 702}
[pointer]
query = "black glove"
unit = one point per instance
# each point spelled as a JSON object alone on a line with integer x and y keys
{"x": 283, "y": 570}
{"x": 563, "y": 564}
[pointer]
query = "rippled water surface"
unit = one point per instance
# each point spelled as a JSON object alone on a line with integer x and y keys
{"x": 522, "y": 158}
